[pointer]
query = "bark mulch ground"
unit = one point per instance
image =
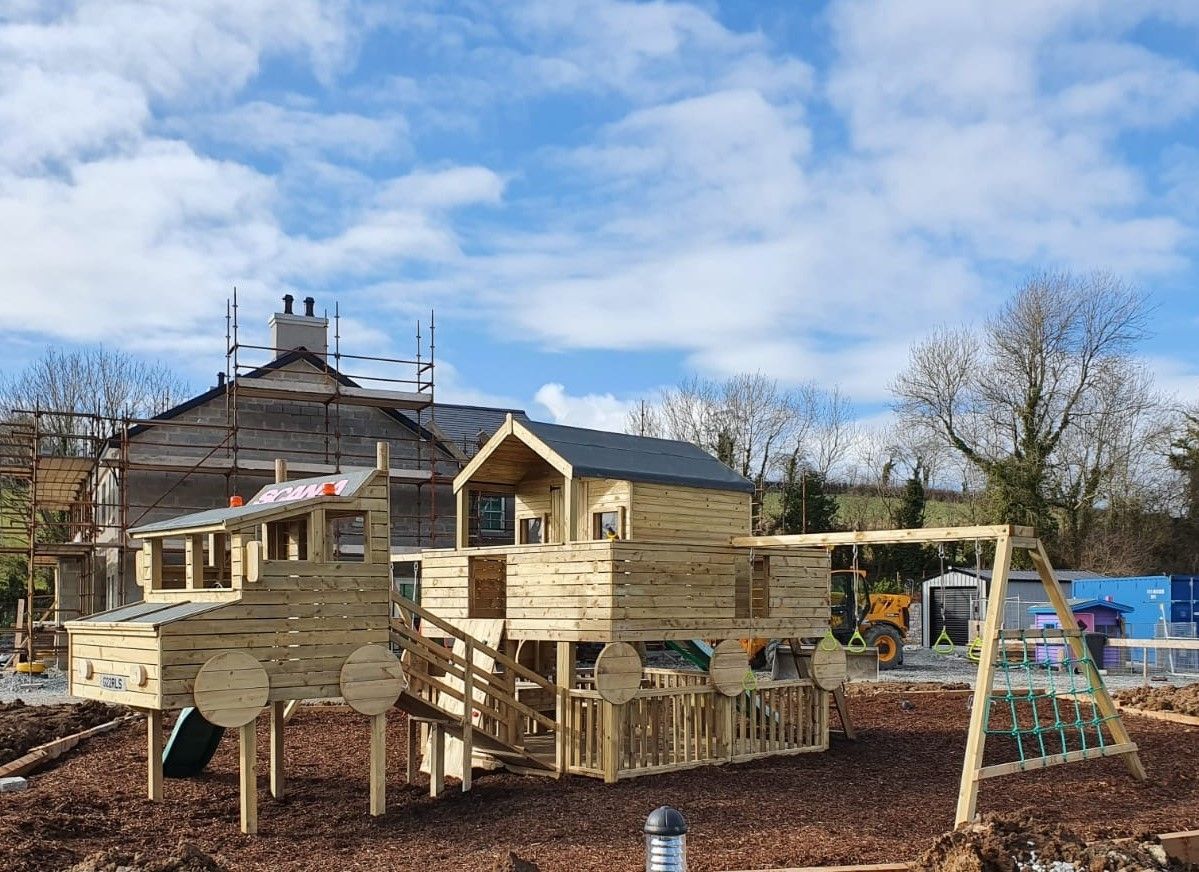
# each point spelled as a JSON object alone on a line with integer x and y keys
{"x": 883, "y": 798}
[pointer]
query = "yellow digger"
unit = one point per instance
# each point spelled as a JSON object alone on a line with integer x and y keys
{"x": 881, "y": 618}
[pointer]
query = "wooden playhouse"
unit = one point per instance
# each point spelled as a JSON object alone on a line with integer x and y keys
{"x": 252, "y": 606}
{"x": 622, "y": 540}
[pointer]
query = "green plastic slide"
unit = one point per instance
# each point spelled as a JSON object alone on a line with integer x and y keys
{"x": 193, "y": 742}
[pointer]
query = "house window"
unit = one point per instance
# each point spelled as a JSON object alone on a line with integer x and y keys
{"x": 491, "y": 515}
{"x": 346, "y": 536}
{"x": 532, "y": 530}
{"x": 752, "y": 599}
{"x": 608, "y": 525}
{"x": 488, "y": 592}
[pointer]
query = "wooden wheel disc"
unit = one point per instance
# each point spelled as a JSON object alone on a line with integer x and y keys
{"x": 372, "y": 679}
{"x": 727, "y": 668}
{"x": 829, "y": 667}
{"x": 618, "y": 672}
{"x": 231, "y": 689}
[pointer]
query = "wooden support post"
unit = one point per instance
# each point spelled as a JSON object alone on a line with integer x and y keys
{"x": 280, "y": 470}
{"x": 462, "y": 501}
{"x": 613, "y": 716}
{"x": 249, "y": 779}
{"x": 411, "y": 749}
{"x": 382, "y": 456}
{"x": 154, "y": 755}
{"x": 1107, "y": 708}
{"x": 976, "y": 738}
{"x": 437, "y": 759}
{"x": 564, "y": 671}
{"x": 378, "y": 776}
{"x": 278, "y": 719}
{"x": 843, "y": 712}
{"x": 570, "y": 510}
{"x": 468, "y": 712}
{"x": 728, "y": 721}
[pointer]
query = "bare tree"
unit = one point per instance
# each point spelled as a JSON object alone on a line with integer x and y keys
{"x": 1037, "y": 375}
{"x": 94, "y": 380}
{"x": 643, "y": 420}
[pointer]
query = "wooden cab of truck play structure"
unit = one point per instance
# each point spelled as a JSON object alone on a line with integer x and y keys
{"x": 618, "y": 538}
{"x": 250, "y": 604}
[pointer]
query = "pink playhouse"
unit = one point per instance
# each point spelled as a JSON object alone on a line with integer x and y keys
{"x": 1101, "y": 618}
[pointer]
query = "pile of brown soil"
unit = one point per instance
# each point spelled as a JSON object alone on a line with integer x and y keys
{"x": 1184, "y": 700}
{"x": 187, "y": 858}
{"x": 26, "y": 726}
{"x": 1001, "y": 843}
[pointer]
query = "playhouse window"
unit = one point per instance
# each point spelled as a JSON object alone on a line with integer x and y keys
{"x": 491, "y": 514}
{"x": 608, "y": 525}
{"x": 532, "y": 530}
{"x": 346, "y": 536}
{"x": 488, "y": 592}
{"x": 211, "y": 565}
{"x": 752, "y": 598}
{"x": 287, "y": 540}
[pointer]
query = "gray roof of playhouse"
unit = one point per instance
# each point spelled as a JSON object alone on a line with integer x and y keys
{"x": 150, "y": 614}
{"x": 600, "y": 454}
{"x": 298, "y": 492}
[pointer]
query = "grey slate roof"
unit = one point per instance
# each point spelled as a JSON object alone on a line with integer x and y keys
{"x": 462, "y": 425}
{"x": 276, "y": 495}
{"x": 600, "y": 454}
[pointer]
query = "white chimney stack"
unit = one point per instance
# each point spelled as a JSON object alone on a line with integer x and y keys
{"x": 290, "y": 331}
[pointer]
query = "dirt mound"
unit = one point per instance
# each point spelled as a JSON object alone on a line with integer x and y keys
{"x": 510, "y": 862}
{"x": 186, "y": 858}
{"x": 1184, "y": 700}
{"x": 1002, "y": 843}
{"x": 26, "y": 726}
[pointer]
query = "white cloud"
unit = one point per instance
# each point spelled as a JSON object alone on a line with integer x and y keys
{"x": 593, "y": 411}
{"x": 269, "y": 127}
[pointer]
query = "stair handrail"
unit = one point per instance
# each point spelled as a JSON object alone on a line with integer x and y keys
{"x": 498, "y": 656}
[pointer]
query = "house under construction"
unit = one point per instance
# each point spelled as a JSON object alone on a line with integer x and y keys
{"x": 74, "y": 483}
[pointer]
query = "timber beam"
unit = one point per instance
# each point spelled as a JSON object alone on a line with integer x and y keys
{"x": 884, "y": 537}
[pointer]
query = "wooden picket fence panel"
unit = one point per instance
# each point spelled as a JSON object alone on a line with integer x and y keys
{"x": 663, "y": 729}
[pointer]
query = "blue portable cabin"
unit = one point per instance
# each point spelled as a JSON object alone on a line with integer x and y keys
{"x": 1174, "y": 598}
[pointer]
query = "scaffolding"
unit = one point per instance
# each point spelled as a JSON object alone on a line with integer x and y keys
{"x": 73, "y": 483}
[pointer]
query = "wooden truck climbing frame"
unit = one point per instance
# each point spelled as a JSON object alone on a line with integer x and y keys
{"x": 283, "y": 598}
{"x": 1032, "y": 712}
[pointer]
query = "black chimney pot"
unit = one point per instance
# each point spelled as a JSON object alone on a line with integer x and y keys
{"x": 220, "y": 379}
{"x": 288, "y": 299}
{"x": 308, "y": 304}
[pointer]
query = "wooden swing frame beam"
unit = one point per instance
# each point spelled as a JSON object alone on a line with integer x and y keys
{"x": 1007, "y": 538}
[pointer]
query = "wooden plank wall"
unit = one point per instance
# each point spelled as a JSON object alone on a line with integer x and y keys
{"x": 666, "y": 591}
{"x": 597, "y": 591}
{"x": 533, "y": 501}
{"x": 687, "y": 515}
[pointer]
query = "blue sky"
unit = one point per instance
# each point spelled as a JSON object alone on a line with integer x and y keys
{"x": 597, "y": 198}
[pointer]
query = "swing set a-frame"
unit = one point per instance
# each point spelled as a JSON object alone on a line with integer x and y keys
{"x": 1046, "y": 727}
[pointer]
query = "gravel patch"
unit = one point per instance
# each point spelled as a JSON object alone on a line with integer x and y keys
{"x": 49, "y": 688}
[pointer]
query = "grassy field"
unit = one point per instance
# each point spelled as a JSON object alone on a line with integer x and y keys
{"x": 868, "y": 511}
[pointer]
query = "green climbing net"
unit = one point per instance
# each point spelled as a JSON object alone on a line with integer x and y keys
{"x": 1056, "y": 718}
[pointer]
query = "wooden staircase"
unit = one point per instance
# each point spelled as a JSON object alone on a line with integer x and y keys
{"x": 441, "y": 680}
